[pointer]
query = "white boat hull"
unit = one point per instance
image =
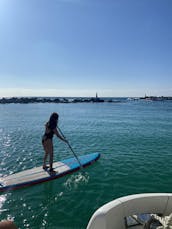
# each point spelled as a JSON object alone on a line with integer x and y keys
{"x": 113, "y": 214}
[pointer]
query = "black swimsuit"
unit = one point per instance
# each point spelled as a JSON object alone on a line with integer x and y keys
{"x": 51, "y": 125}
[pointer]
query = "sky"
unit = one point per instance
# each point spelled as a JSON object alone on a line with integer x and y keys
{"x": 82, "y": 47}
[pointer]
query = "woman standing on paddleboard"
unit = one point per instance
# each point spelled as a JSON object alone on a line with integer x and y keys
{"x": 47, "y": 140}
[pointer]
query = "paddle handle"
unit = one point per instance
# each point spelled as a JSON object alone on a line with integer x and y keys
{"x": 70, "y": 147}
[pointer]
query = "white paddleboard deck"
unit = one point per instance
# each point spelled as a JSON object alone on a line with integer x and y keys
{"x": 39, "y": 175}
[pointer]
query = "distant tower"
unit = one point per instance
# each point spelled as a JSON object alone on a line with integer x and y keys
{"x": 96, "y": 95}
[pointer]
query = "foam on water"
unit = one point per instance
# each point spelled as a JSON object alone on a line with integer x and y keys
{"x": 2, "y": 201}
{"x": 76, "y": 179}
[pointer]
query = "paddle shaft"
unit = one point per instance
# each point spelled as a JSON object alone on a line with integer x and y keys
{"x": 70, "y": 147}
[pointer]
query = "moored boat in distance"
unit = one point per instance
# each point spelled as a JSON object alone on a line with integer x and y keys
{"x": 140, "y": 211}
{"x": 156, "y": 98}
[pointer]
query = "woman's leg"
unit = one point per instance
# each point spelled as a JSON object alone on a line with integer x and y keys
{"x": 51, "y": 155}
{"x": 48, "y": 148}
{"x": 45, "y": 159}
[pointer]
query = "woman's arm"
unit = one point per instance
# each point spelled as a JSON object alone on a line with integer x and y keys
{"x": 59, "y": 136}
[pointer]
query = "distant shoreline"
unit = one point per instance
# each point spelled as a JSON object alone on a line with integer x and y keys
{"x": 26, "y": 100}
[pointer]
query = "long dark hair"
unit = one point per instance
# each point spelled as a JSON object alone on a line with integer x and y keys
{"x": 54, "y": 116}
{"x": 53, "y": 119}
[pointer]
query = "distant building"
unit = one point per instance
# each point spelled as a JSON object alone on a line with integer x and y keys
{"x": 96, "y": 99}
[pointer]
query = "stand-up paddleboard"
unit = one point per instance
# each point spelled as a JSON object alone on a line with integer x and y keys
{"x": 39, "y": 175}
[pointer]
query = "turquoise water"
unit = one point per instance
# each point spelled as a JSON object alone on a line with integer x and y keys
{"x": 133, "y": 137}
